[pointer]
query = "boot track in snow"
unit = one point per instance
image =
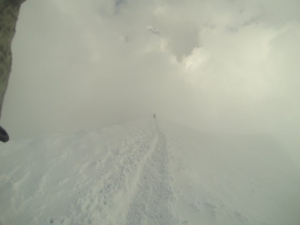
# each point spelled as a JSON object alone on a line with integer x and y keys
{"x": 150, "y": 203}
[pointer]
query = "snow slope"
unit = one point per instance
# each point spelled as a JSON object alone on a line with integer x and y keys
{"x": 147, "y": 172}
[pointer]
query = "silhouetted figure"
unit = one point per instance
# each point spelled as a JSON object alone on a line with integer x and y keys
{"x": 154, "y": 116}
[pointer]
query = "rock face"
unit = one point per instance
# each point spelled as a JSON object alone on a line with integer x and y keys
{"x": 9, "y": 11}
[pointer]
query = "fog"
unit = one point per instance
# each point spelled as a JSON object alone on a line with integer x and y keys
{"x": 229, "y": 66}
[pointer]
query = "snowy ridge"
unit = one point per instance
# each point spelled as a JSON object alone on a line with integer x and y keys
{"x": 146, "y": 172}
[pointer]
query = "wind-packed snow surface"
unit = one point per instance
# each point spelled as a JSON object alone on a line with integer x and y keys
{"x": 147, "y": 172}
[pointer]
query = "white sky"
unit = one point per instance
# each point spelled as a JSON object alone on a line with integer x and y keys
{"x": 215, "y": 65}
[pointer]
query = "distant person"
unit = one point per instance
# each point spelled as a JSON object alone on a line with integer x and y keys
{"x": 154, "y": 116}
{"x": 9, "y": 11}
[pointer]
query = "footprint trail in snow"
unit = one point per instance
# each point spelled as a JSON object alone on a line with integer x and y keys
{"x": 153, "y": 190}
{"x": 133, "y": 184}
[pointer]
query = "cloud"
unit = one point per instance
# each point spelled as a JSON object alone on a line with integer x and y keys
{"x": 225, "y": 66}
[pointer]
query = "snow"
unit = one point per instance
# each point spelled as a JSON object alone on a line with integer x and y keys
{"x": 148, "y": 171}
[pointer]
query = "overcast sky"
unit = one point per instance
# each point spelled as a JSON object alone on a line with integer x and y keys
{"x": 229, "y": 65}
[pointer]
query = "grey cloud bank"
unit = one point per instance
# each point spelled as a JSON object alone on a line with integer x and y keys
{"x": 226, "y": 66}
